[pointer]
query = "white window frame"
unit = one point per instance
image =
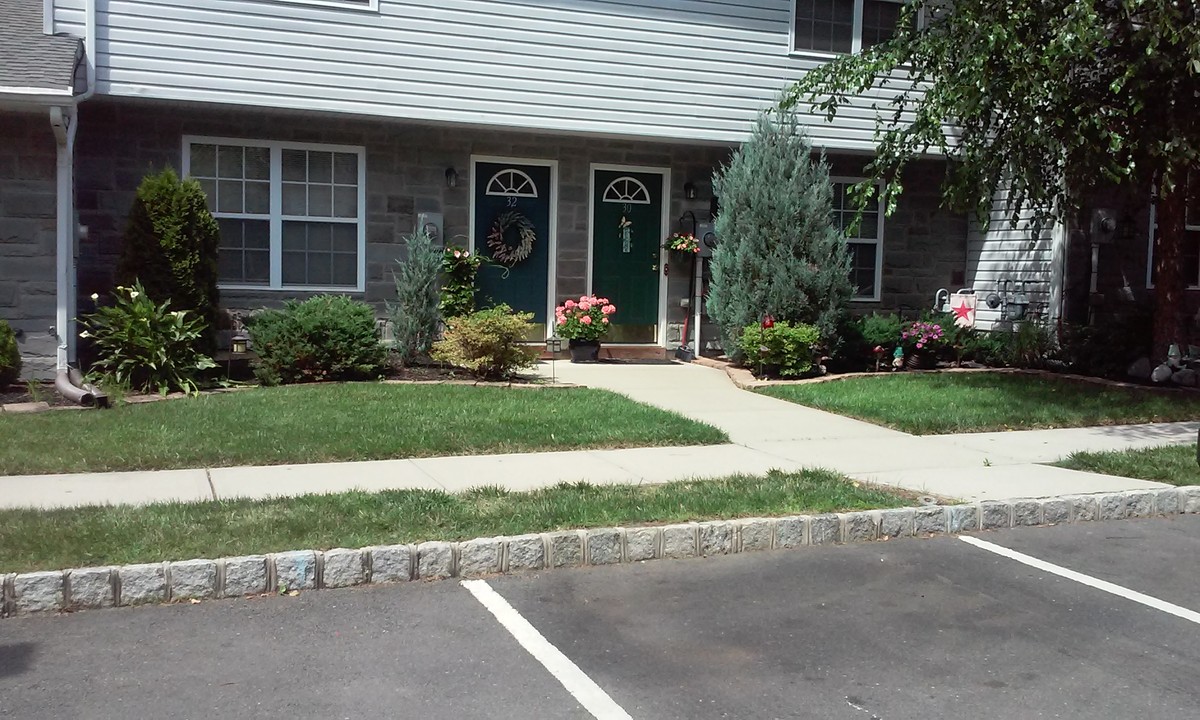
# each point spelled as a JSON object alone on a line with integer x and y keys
{"x": 1187, "y": 227}
{"x": 276, "y": 216}
{"x": 855, "y": 32}
{"x": 877, "y": 241}
{"x": 369, "y": 6}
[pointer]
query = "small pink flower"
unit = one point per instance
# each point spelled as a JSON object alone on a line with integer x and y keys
{"x": 457, "y": 254}
{"x": 603, "y": 320}
{"x": 569, "y": 304}
{"x": 920, "y": 345}
{"x": 466, "y": 253}
{"x": 608, "y": 309}
{"x": 586, "y": 319}
{"x": 562, "y": 321}
{"x": 585, "y": 306}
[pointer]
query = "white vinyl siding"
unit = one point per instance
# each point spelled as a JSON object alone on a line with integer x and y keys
{"x": 697, "y": 71}
{"x": 1004, "y": 252}
{"x": 292, "y": 215}
{"x": 70, "y": 17}
{"x": 864, "y": 240}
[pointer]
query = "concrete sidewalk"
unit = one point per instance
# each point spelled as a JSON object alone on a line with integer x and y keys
{"x": 766, "y": 434}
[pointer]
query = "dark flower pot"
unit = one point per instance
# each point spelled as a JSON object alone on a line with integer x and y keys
{"x": 584, "y": 351}
{"x": 921, "y": 360}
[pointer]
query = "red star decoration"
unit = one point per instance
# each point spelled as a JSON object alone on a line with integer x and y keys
{"x": 963, "y": 312}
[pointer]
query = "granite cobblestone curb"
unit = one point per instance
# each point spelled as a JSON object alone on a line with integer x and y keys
{"x": 203, "y": 579}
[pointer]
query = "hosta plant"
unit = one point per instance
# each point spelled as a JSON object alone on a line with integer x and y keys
{"x": 144, "y": 345}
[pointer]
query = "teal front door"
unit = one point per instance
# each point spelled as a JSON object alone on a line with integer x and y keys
{"x": 512, "y": 228}
{"x": 627, "y": 250}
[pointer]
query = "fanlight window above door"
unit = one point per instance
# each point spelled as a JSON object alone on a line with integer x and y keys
{"x": 512, "y": 183}
{"x": 627, "y": 190}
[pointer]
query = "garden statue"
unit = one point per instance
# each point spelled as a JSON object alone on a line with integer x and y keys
{"x": 898, "y": 359}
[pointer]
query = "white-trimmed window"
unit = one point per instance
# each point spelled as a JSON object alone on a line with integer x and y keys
{"x": 1191, "y": 238}
{"x": 843, "y": 26}
{"x": 864, "y": 240}
{"x": 345, "y": 4}
{"x": 292, "y": 215}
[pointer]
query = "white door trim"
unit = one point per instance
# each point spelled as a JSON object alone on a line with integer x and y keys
{"x": 552, "y": 241}
{"x": 666, "y": 228}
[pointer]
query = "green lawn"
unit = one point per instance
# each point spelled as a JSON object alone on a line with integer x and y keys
{"x": 1174, "y": 464}
{"x": 41, "y": 539}
{"x": 322, "y": 423}
{"x": 927, "y": 404}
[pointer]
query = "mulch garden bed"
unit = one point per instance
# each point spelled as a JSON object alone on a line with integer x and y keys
{"x": 43, "y": 392}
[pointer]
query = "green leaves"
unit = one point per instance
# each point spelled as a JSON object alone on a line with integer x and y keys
{"x": 147, "y": 346}
{"x": 1043, "y": 99}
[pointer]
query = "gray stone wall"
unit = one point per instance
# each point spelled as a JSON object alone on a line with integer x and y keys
{"x": 28, "y": 162}
{"x": 119, "y": 142}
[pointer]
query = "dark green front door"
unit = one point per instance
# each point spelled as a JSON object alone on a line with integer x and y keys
{"x": 627, "y": 250}
{"x": 518, "y": 196}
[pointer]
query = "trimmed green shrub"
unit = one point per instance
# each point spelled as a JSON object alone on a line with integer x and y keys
{"x": 327, "y": 337}
{"x": 882, "y": 331}
{"x": 488, "y": 343}
{"x": 788, "y": 346}
{"x": 780, "y": 253}
{"x": 170, "y": 244}
{"x": 144, "y": 345}
{"x": 10, "y": 356}
{"x": 415, "y": 315}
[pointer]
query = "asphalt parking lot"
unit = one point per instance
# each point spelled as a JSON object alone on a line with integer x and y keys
{"x": 917, "y": 628}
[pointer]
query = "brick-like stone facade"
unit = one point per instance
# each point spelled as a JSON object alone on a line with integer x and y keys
{"x": 119, "y": 142}
{"x": 28, "y": 208}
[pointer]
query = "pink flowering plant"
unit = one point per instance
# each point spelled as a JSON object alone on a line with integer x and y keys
{"x": 584, "y": 319}
{"x": 682, "y": 242}
{"x": 921, "y": 336}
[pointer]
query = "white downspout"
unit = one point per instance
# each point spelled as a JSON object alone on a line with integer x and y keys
{"x": 89, "y": 46}
{"x": 62, "y": 121}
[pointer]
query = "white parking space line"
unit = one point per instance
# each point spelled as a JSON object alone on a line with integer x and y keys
{"x": 583, "y": 688}
{"x": 1147, "y": 600}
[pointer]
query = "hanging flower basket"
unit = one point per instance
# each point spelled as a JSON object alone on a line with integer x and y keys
{"x": 683, "y": 243}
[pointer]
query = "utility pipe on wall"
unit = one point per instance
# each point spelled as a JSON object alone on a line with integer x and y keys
{"x": 63, "y": 123}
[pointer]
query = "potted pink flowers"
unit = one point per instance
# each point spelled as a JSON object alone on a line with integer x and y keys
{"x": 921, "y": 341}
{"x": 583, "y": 322}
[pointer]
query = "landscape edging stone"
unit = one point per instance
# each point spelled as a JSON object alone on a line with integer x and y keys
{"x": 97, "y": 587}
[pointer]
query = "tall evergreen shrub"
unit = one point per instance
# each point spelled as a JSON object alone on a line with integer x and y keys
{"x": 780, "y": 253}
{"x": 415, "y": 315}
{"x": 170, "y": 245}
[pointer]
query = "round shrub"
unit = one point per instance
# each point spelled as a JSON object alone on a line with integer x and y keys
{"x": 327, "y": 337}
{"x": 488, "y": 343}
{"x": 10, "y": 356}
{"x": 790, "y": 347}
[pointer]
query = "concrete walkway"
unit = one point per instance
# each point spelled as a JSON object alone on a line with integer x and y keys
{"x": 766, "y": 434}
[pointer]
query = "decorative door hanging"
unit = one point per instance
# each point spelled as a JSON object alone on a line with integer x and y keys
{"x": 625, "y": 227}
{"x": 507, "y": 254}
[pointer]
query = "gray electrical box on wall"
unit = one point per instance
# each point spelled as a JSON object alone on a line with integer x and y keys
{"x": 431, "y": 224}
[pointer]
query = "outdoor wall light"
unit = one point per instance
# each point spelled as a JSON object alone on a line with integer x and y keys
{"x": 689, "y": 191}
{"x": 451, "y": 177}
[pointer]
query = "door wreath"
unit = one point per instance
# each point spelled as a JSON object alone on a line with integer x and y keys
{"x": 507, "y": 254}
